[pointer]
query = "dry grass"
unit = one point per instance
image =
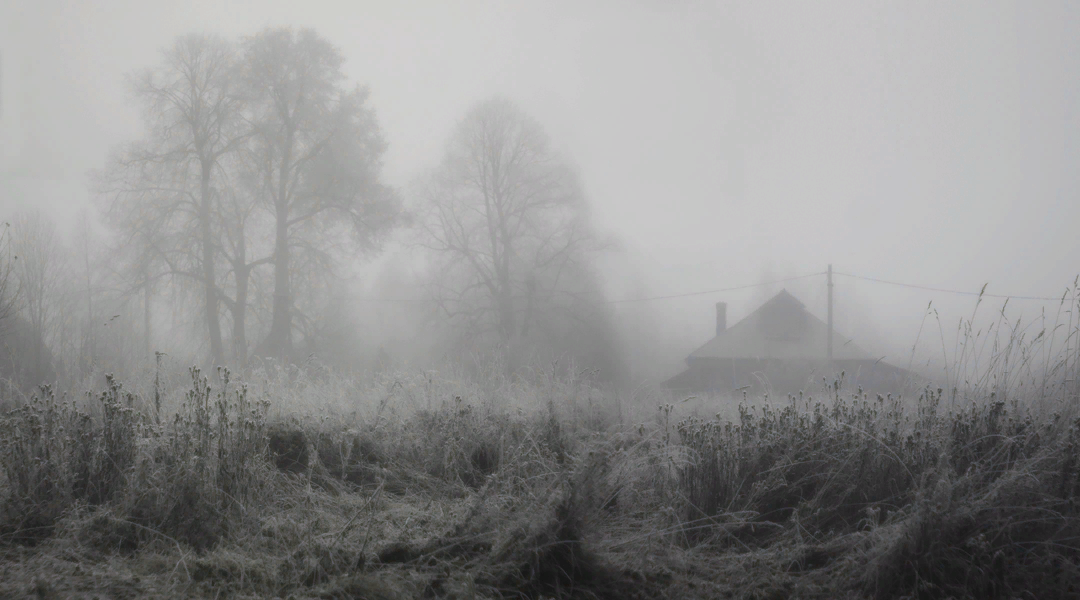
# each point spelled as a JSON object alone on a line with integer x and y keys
{"x": 303, "y": 485}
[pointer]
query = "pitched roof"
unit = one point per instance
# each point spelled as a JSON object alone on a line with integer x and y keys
{"x": 781, "y": 328}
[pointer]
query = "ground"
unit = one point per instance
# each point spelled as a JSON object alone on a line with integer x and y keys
{"x": 562, "y": 496}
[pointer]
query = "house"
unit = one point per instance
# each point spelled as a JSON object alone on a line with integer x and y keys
{"x": 781, "y": 348}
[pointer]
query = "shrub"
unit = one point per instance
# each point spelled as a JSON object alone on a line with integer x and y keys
{"x": 185, "y": 480}
{"x": 208, "y": 470}
{"x": 54, "y": 455}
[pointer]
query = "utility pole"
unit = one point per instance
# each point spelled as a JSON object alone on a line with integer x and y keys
{"x": 146, "y": 316}
{"x": 829, "y": 347}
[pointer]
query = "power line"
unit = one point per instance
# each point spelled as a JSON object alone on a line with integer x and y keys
{"x": 730, "y": 289}
{"x": 394, "y": 300}
{"x": 623, "y": 300}
{"x": 764, "y": 283}
{"x": 945, "y": 291}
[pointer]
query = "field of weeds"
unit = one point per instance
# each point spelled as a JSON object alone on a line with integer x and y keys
{"x": 304, "y": 485}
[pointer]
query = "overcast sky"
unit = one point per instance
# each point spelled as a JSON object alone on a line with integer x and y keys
{"x": 723, "y": 143}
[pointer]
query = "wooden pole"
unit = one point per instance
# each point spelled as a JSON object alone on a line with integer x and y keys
{"x": 146, "y": 309}
{"x": 829, "y": 347}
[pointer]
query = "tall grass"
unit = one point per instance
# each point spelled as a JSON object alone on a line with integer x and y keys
{"x": 55, "y": 455}
{"x": 186, "y": 480}
{"x": 549, "y": 486}
{"x": 1012, "y": 355}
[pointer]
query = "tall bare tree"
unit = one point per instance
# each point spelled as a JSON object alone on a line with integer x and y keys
{"x": 320, "y": 150}
{"x": 505, "y": 221}
{"x": 243, "y": 249}
{"x": 84, "y": 293}
{"x": 163, "y": 188}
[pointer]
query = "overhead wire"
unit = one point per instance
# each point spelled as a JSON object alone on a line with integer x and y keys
{"x": 982, "y": 294}
{"x": 716, "y": 291}
{"x": 946, "y": 291}
{"x": 646, "y": 299}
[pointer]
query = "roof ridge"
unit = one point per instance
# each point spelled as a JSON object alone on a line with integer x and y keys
{"x": 742, "y": 339}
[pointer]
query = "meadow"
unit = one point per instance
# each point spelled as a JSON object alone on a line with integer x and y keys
{"x": 299, "y": 483}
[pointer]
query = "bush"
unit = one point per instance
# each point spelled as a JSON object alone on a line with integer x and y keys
{"x": 186, "y": 480}
{"x": 207, "y": 471}
{"x": 54, "y": 455}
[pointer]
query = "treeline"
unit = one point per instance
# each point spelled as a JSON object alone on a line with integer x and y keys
{"x": 230, "y": 226}
{"x": 64, "y": 313}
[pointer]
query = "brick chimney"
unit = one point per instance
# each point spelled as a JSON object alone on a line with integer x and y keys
{"x": 721, "y": 317}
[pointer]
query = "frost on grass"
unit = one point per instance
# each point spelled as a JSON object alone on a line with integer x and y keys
{"x": 550, "y": 494}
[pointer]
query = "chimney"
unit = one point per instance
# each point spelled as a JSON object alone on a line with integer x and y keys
{"x": 721, "y": 317}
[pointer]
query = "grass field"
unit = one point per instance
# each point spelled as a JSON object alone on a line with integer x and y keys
{"x": 306, "y": 485}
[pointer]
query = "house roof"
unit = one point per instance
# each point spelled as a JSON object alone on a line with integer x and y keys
{"x": 783, "y": 329}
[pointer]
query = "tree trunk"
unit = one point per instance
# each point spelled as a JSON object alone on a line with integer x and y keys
{"x": 279, "y": 340}
{"x": 506, "y": 320}
{"x": 213, "y": 321}
{"x": 530, "y": 289}
{"x": 506, "y": 315}
{"x": 506, "y": 297}
{"x": 278, "y": 343}
{"x": 91, "y": 337}
{"x": 243, "y": 274}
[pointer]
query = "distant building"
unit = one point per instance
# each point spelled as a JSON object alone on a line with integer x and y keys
{"x": 783, "y": 349}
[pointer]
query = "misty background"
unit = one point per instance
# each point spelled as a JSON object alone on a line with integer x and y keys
{"x": 716, "y": 145}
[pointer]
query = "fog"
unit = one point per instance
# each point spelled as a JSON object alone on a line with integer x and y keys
{"x": 718, "y": 144}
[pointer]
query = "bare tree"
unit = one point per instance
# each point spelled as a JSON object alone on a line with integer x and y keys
{"x": 505, "y": 221}
{"x": 162, "y": 190}
{"x": 84, "y": 293}
{"x": 242, "y": 247}
{"x": 9, "y": 285}
{"x": 319, "y": 148}
{"x": 39, "y": 271}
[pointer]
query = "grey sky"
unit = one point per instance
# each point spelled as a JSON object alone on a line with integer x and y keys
{"x": 723, "y": 143}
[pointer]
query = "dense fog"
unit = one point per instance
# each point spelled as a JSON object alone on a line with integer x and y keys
{"x": 381, "y": 185}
